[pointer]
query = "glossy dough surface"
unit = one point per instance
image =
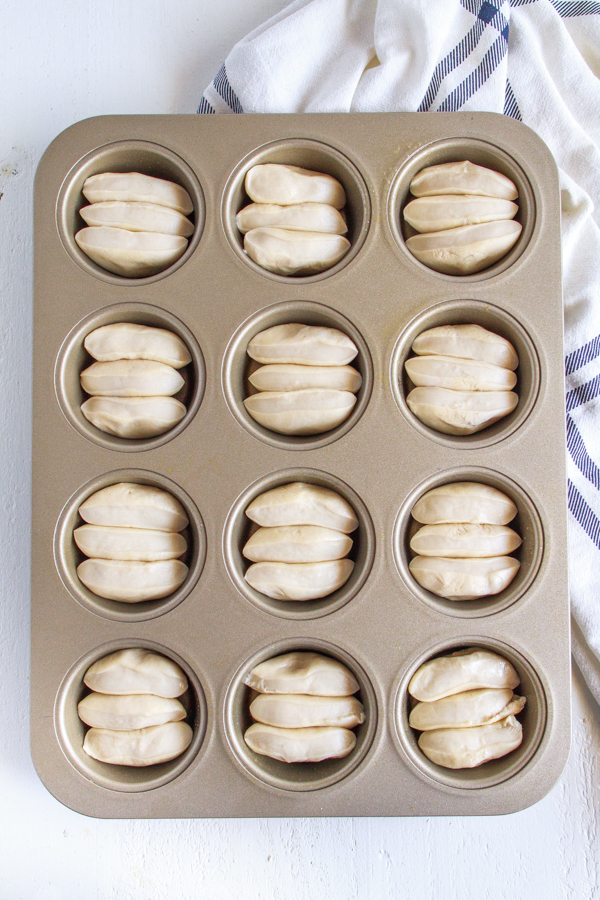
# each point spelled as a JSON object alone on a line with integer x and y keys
{"x": 464, "y": 670}
{"x": 128, "y": 340}
{"x": 302, "y": 503}
{"x": 130, "y": 505}
{"x": 141, "y": 747}
{"x": 303, "y": 672}
{"x": 136, "y": 671}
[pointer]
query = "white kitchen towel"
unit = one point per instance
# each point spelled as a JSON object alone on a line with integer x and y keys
{"x": 535, "y": 60}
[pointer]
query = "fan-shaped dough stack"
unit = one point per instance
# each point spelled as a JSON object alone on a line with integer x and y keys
{"x": 132, "y": 712}
{"x": 305, "y": 385}
{"x": 294, "y": 226}
{"x": 137, "y": 224}
{"x": 131, "y": 386}
{"x": 464, "y": 375}
{"x": 463, "y": 545}
{"x": 464, "y": 215}
{"x": 304, "y": 710}
{"x": 133, "y": 543}
{"x": 299, "y": 552}
{"x": 466, "y": 710}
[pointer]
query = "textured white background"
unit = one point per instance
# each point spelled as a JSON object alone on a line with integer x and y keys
{"x": 61, "y": 62}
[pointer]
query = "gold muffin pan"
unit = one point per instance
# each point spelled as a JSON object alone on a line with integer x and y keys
{"x": 217, "y": 459}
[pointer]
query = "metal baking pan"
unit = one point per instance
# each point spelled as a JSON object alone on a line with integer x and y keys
{"x": 381, "y": 623}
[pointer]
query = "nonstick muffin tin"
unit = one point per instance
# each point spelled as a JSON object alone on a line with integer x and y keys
{"x": 381, "y": 623}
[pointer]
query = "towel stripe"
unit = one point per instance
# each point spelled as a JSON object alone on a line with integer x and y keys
{"x": 583, "y": 393}
{"x": 224, "y": 89}
{"x": 489, "y": 12}
{"x": 479, "y": 76}
{"x": 580, "y": 456}
{"x": 568, "y": 8}
{"x": 205, "y": 108}
{"x": 450, "y": 62}
{"x": 581, "y": 357}
{"x": 511, "y": 107}
{"x": 584, "y": 514}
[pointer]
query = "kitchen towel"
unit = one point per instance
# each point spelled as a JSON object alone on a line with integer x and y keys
{"x": 535, "y": 60}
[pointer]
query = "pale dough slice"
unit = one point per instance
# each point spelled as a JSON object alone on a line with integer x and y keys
{"x": 286, "y": 185}
{"x": 142, "y": 747}
{"x": 129, "y": 505}
{"x": 444, "y": 211}
{"x": 134, "y": 254}
{"x": 465, "y": 250}
{"x": 290, "y": 377}
{"x": 128, "y": 186}
{"x": 468, "y": 341}
{"x": 310, "y": 411}
{"x": 128, "y": 340}
{"x": 299, "y": 581}
{"x": 131, "y": 378}
{"x": 464, "y": 501}
{"x": 133, "y": 417}
{"x": 460, "y": 412}
{"x": 458, "y": 374}
{"x": 467, "y": 709}
{"x": 463, "y": 670}
{"x": 302, "y": 503}
{"x": 462, "y": 177}
{"x": 307, "y": 711}
{"x": 304, "y": 345}
{"x": 137, "y": 216}
{"x": 297, "y": 745}
{"x": 136, "y": 670}
{"x": 465, "y": 748}
{"x": 297, "y": 544}
{"x": 127, "y": 712}
{"x": 110, "y": 542}
{"x": 299, "y": 217}
{"x": 132, "y": 581}
{"x": 288, "y": 252}
{"x": 465, "y": 540}
{"x": 303, "y": 672}
{"x": 464, "y": 579}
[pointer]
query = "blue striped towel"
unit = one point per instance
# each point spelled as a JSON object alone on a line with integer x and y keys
{"x": 535, "y": 60}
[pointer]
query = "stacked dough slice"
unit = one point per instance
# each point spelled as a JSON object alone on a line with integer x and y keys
{"x": 133, "y": 712}
{"x": 464, "y": 375}
{"x": 464, "y": 215}
{"x": 294, "y": 226}
{"x": 305, "y": 708}
{"x": 463, "y": 545}
{"x": 132, "y": 384}
{"x": 466, "y": 710}
{"x": 133, "y": 541}
{"x": 299, "y": 551}
{"x": 138, "y": 225}
{"x": 305, "y": 385}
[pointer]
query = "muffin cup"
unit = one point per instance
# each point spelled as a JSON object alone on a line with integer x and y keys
{"x": 73, "y": 358}
{"x": 527, "y": 524}
{"x": 238, "y": 528}
{"x": 467, "y": 312}
{"x": 296, "y": 776}
{"x": 317, "y": 157}
{"x": 237, "y": 366}
{"x": 481, "y": 153}
{"x": 71, "y": 730}
{"x": 125, "y": 156}
{"x": 68, "y": 556}
{"x": 533, "y": 719}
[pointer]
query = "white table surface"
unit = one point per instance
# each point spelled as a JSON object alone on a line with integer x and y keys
{"x": 61, "y": 62}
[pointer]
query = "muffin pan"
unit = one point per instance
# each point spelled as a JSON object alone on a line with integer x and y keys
{"x": 217, "y": 459}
